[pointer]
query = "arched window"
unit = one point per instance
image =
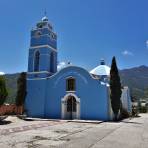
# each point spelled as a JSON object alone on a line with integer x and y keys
{"x": 70, "y": 84}
{"x": 36, "y": 61}
{"x": 52, "y": 62}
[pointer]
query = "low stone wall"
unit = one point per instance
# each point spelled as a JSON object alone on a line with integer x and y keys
{"x": 11, "y": 109}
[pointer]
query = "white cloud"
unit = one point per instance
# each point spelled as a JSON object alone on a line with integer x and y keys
{"x": 146, "y": 43}
{"x": 61, "y": 65}
{"x": 2, "y": 73}
{"x": 127, "y": 53}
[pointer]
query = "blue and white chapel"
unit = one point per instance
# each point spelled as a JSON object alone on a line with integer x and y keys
{"x": 70, "y": 93}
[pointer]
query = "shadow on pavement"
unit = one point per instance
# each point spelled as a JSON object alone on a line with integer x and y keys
{"x": 137, "y": 116}
{"x": 131, "y": 122}
{"x": 5, "y": 122}
{"x": 28, "y": 119}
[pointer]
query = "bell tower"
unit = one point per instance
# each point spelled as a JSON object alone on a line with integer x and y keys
{"x": 42, "y": 61}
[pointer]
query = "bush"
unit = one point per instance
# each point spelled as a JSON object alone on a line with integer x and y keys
{"x": 3, "y": 90}
{"x": 124, "y": 114}
{"x": 134, "y": 111}
{"x": 21, "y": 89}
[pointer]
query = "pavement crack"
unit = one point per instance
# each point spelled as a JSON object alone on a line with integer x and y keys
{"x": 108, "y": 134}
{"x": 75, "y": 132}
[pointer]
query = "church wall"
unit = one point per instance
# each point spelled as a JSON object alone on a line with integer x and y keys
{"x": 93, "y": 96}
{"x": 35, "y": 99}
{"x": 94, "y": 101}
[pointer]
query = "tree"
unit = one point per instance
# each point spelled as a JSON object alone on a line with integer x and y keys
{"x": 21, "y": 89}
{"x": 115, "y": 88}
{"x": 3, "y": 90}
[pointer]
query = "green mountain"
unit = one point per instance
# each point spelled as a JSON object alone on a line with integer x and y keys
{"x": 135, "y": 78}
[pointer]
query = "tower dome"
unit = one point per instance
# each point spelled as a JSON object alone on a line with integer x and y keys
{"x": 44, "y": 23}
{"x": 101, "y": 70}
{"x": 45, "y": 19}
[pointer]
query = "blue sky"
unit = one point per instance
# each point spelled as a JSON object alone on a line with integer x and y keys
{"x": 87, "y": 31}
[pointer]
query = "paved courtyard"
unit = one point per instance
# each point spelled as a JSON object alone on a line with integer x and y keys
{"x": 63, "y": 134}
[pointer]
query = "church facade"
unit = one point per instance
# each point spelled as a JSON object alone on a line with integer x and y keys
{"x": 70, "y": 93}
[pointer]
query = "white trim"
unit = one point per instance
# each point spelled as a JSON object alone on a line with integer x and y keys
{"x": 43, "y": 46}
{"x": 71, "y": 91}
{"x": 64, "y": 107}
{"x": 40, "y": 54}
{"x": 45, "y": 54}
{"x": 70, "y": 94}
{"x": 36, "y": 78}
{"x": 36, "y": 72}
{"x": 34, "y": 29}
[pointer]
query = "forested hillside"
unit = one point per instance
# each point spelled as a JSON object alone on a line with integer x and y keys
{"x": 136, "y": 78}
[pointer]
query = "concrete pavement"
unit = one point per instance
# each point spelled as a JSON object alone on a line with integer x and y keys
{"x": 45, "y": 134}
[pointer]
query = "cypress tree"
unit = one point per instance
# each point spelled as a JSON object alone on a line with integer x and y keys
{"x": 115, "y": 88}
{"x": 21, "y": 89}
{"x": 3, "y": 90}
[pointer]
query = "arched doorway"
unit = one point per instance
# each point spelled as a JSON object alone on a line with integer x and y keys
{"x": 70, "y": 107}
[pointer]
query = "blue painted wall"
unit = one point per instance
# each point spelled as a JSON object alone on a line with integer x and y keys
{"x": 46, "y": 94}
{"x": 35, "y": 99}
